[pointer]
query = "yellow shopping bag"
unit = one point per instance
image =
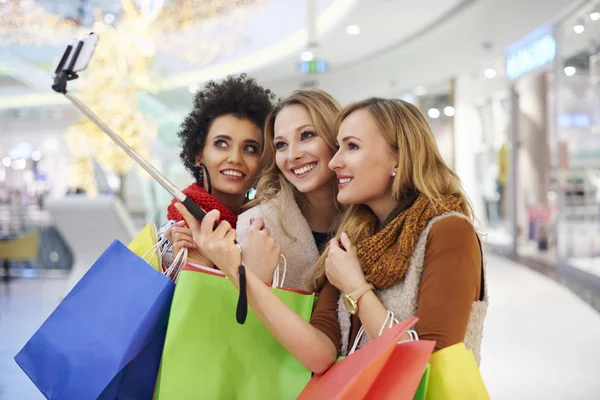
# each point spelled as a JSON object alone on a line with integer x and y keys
{"x": 454, "y": 374}
{"x": 145, "y": 246}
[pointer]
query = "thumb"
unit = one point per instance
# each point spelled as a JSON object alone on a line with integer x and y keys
{"x": 192, "y": 223}
{"x": 345, "y": 240}
{"x": 334, "y": 243}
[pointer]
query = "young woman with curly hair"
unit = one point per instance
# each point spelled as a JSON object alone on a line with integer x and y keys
{"x": 221, "y": 146}
{"x": 296, "y": 193}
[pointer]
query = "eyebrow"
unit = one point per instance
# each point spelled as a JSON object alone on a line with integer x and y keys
{"x": 304, "y": 126}
{"x": 297, "y": 129}
{"x": 350, "y": 138}
{"x": 227, "y": 137}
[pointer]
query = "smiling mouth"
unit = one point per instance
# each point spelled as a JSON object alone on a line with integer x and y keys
{"x": 343, "y": 182}
{"x": 304, "y": 170}
{"x": 233, "y": 173}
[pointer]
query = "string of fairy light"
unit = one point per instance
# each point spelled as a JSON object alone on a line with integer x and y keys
{"x": 198, "y": 31}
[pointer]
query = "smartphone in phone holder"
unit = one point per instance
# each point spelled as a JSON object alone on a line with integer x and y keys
{"x": 76, "y": 58}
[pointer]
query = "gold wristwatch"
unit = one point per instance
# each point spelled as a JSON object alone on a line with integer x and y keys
{"x": 351, "y": 299}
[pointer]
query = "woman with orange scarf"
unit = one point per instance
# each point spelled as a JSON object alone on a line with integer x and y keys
{"x": 406, "y": 246}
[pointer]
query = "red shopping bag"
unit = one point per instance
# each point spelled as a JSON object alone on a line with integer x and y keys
{"x": 381, "y": 369}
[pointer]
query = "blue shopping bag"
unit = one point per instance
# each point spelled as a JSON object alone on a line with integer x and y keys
{"x": 105, "y": 339}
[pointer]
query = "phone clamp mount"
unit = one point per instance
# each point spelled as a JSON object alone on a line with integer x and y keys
{"x": 63, "y": 73}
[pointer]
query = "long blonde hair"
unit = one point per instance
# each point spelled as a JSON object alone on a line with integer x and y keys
{"x": 323, "y": 110}
{"x": 420, "y": 167}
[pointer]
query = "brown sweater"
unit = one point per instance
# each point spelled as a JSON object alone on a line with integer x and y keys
{"x": 450, "y": 284}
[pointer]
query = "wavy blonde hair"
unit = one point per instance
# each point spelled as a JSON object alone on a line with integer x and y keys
{"x": 323, "y": 110}
{"x": 420, "y": 167}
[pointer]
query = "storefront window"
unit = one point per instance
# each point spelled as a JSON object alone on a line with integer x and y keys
{"x": 578, "y": 137}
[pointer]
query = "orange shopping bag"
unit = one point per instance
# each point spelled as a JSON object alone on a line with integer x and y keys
{"x": 382, "y": 369}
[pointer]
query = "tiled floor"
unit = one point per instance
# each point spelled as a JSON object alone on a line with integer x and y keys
{"x": 540, "y": 340}
{"x": 24, "y": 305}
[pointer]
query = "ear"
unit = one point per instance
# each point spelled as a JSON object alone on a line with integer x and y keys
{"x": 198, "y": 160}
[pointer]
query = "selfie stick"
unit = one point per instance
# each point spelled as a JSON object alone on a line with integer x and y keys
{"x": 65, "y": 73}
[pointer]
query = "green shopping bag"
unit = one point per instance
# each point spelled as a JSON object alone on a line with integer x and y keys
{"x": 421, "y": 393}
{"x": 208, "y": 355}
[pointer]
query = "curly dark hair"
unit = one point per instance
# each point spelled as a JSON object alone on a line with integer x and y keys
{"x": 239, "y": 95}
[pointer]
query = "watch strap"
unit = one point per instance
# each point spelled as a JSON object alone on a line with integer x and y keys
{"x": 357, "y": 294}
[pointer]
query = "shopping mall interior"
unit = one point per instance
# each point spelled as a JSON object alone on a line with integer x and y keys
{"x": 511, "y": 90}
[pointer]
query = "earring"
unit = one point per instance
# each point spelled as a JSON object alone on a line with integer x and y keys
{"x": 198, "y": 173}
{"x": 393, "y": 173}
{"x": 206, "y": 176}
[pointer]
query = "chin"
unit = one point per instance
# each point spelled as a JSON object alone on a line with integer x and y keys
{"x": 345, "y": 200}
{"x": 232, "y": 189}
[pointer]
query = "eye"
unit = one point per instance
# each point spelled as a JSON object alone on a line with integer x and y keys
{"x": 279, "y": 145}
{"x": 221, "y": 143}
{"x": 249, "y": 148}
{"x": 307, "y": 135}
{"x": 352, "y": 146}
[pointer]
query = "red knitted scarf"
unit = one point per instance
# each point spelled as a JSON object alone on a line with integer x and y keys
{"x": 206, "y": 201}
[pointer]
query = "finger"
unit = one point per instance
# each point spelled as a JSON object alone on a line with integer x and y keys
{"x": 189, "y": 245}
{"x": 182, "y": 230}
{"x": 183, "y": 243}
{"x": 169, "y": 234}
{"x": 208, "y": 222}
{"x": 231, "y": 235}
{"x": 345, "y": 240}
{"x": 189, "y": 218}
{"x": 222, "y": 230}
{"x": 334, "y": 243}
{"x": 266, "y": 232}
{"x": 258, "y": 224}
{"x": 181, "y": 236}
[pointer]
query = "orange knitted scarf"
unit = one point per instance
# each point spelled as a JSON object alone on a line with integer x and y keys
{"x": 385, "y": 255}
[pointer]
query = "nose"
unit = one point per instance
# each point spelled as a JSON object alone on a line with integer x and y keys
{"x": 295, "y": 153}
{"x": 235, "y": 156}
{"x": 335, "y": 162}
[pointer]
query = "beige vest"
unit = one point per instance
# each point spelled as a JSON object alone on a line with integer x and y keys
{"x": 402, "y": 298}
{"x": 299, "y": 248}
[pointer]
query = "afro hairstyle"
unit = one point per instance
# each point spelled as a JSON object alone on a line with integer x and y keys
{"x": 239, "y": 95}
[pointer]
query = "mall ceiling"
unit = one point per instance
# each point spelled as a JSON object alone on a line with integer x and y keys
{"x": 259, "y": 35}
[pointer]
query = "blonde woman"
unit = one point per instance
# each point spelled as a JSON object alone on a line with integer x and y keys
{"x": 296, "y": 194}
{"x": 406, "y": 245}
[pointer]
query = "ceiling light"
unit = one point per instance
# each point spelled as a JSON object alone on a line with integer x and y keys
{"x": 109, "y": 18}
{"x": 570, "y": 71}
{"x": 353, "y": 30}
{"x": 449, "y": 111}
{"x": 193, "y": 88}
{"x": 490, "y": 73}
{"x": 6, "y": 161}
{"x": 595, "y": 15}
{"x": 420, "y": 91}
{"x": 433, "y": 113}
{"x": 579, "y": 28}
{"x": 36, "y": 155}
{"x": 307, "y": 55}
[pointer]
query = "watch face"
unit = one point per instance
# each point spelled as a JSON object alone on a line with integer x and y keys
{"x": 350, "y": 305}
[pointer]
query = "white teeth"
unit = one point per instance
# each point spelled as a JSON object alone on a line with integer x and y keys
{"x": 304, "y": 170}
{"x": 232, "y": 173}
{"x": 345, "y": 180}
